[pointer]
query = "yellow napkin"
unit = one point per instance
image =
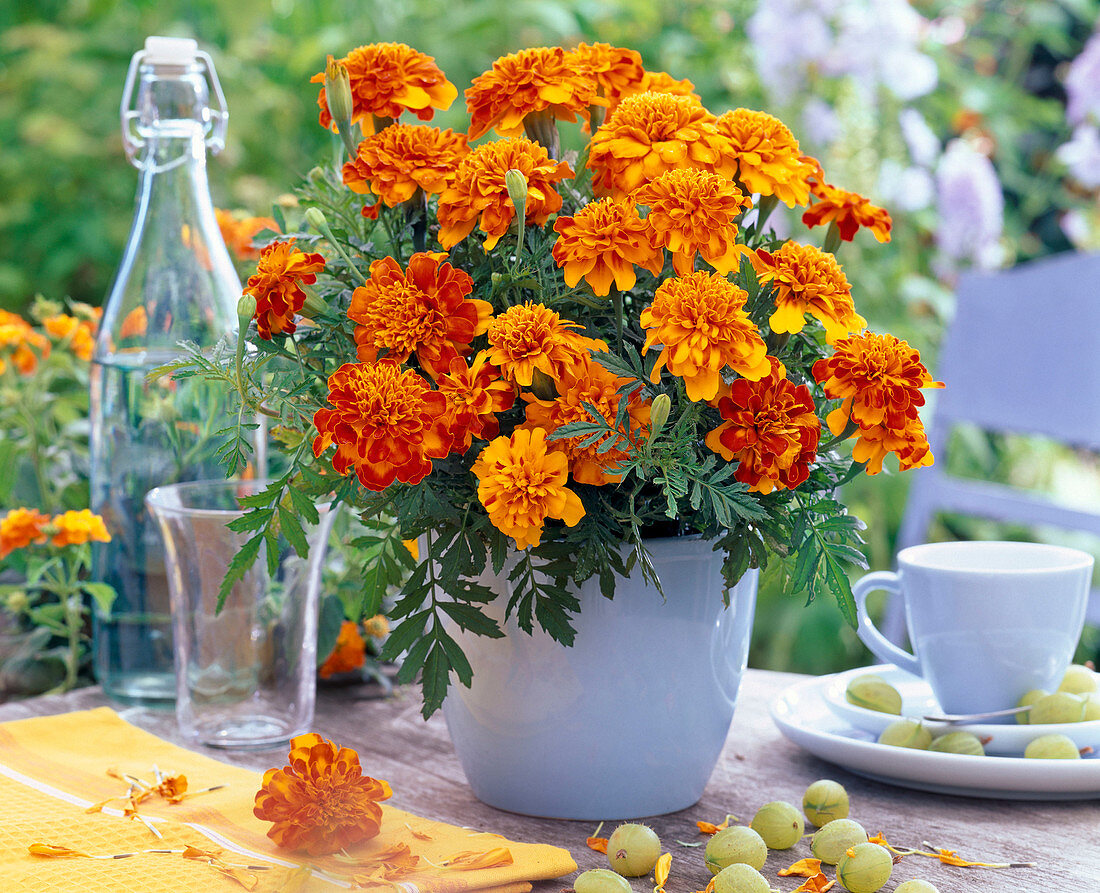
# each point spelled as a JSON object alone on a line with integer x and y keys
{"x": 53, "y": 767}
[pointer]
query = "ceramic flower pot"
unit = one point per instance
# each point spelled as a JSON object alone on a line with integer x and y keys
{"x": 630, "y": 721}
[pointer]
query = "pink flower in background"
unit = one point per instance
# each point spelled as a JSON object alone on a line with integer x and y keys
{"x": 1083, "y": 84}
{"x": 971, "y": 208}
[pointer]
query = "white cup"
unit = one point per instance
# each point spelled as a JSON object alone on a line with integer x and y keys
{"x": 988, "y": 621}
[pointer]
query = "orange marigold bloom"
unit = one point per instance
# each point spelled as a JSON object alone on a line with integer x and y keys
{"x": 540, "y": 80}
{"x": 349, "y": 653}
{"x": 663, "y": 82}
{"x": 807, "y": 280}
{"x": 277, "y": 286}
{"x": 530, "y": 337}
{"x": 134, "y": 324}
{"x": 693, "y": 211}
{"x": 763, "y": 154}
{"x": 388, "y": 78}
{"x": 75, "y": 528}
{"x": 909, "y": 444}
{"x": 78, "y": 335}
{"x": 321, "y": 801}
{"x": 21, "y": 527}
{"x": 377, "y": 626}
{"x": 21, "y": 343}
{"x": 598, "y": 388}
{"x": 238, "y": 232}
{"x": 701, "y": 324}
{"x": 422, "y": 310}
{"x": 402, "y": 158}
{"x": 648, "y": 134}
{"x": 475, "y": 394}
{"x": 771, "y": 429}
{"x": 477, "y": 190}
{"x": 387, "y": 424}
{"x": 521, "y": 483}
{"x": 617, "y": 71}
{"x": 603, "y": 242}
{"x": 849, "y": 210}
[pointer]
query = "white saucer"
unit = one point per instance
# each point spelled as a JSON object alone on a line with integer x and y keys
{"x": 803, "y": 716}
{"x": 1005, "y": 739}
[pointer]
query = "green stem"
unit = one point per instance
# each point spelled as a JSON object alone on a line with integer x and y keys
{"x": 617, "y": 309}
{"x": 764, "y": 210}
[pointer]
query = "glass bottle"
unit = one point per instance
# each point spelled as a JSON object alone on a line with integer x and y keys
{"x": 175, "y": 283}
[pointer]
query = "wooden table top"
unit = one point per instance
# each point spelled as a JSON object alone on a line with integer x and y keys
{"x": 757, "y": 765}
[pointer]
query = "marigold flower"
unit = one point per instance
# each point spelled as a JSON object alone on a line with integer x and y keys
{"x": 701, "y": 324}
{"x": 386, "y": 423}
{"x": 475, "y": 394}
{"x": 909, "y": 444}
{"x": 320, "y": 801}
{"x": 663, "y": 82}
{"x": 277, "y": 286}
{"x": 238, "y": 232}
{"x": 807, "y": 280}
{"x": 521, "y": 483}
{"x": 78, "y": 335}
{"x": 530, "y": 337}
{"x": 545, "y": 80}
{"x": 422, "y": 310}
{"x": 134, "y": 324}
{"x": 397, "y": 161}
{"x": 377, "y": 626}
{"x": 763, "y": 154}
{"x": 771, "y": 429}
{"x": 21, "y": 527}
{"x": 647, "y": 135}
{"x": 21, "y": 343}
{"x": 387, "y": 79}
{"x": 617, "y": 71}
{"x": 75, "y": 528}
{"x": 598, "y": 388}
{"x": 603, "y": 241}
{"x": 693, "y": 211}
{"x": 848, "y": 210}
{"x": 349, "y": 653}
{"x": 477, "y": 190}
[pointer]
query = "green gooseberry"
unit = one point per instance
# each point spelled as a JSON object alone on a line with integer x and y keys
{"x": 835, "y": 839}
{"x": 1058, "y": 707}
{"x": 732, "y": 845}
{"x": 779, "y": 824}
{"x": 1092, "y": 707}
{"x": 1052, "y": 747}
{"x": 740, "y": 878}
{"x": 601, "y": 880}
{"x": 1078, "y": 680}
{"x": 906, "y": 733}
{"x": 915, "y": 886}
{"x": 824, "y": 801}
{"x": 1028, "y": 700}
{"x": 633, "y": 849}
{"x": 865, "y": 868}
{"x": 959, "y": 742}
{"x": 872, "y": 693}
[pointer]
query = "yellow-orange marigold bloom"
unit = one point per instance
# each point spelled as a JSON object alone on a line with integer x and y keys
{"x": 701, "y": 324}
{"x": 603, "y": 242}
{"x": 387, "y": 424}
{"x": 21, "y": 527}
{"x": 134, "y": 324}
{"x": 909, "y": 444}
{"x": 78, "y": 335}
{"x": 530, "y": 337}
{"x": 695, "y": 212}
{"x": 388, "y": 79}
{"x": 521, "y": 483}
{"x": 477, "y": 191}
{"x": 402, "y": 158}
{"x": 321, "y": 801}
{"x": 277, "y": 286}
{"x": 598, "y": 388}
{"x": 770, "y": 429}
{"x": 807, "y": 280}
{"x": 663, "y": 82}
{"x": 20, "y": 343}
{"x": 648, "y": 134}
{"x": 475, "y": 394}
{"x": 349, "y": 653}
{"x": 377, "y": 626}
{"x": 616, "y": 70}
{"x": 545, "y": 80}
{"x": 239, "y": 232}
{"x": 422, "y": 310}
{"x": 75, "y": 528}
{"x": 763, "y": 154}
{"x": 849, "y": 210}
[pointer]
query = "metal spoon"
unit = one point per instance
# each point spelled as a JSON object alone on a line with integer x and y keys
{"x": 976, "y": 717}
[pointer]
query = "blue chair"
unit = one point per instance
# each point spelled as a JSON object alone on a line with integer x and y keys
{"x": 1022, "y": 356}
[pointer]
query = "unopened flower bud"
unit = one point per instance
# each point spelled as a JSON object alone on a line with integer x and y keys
{"x": 17, "y": 601}
{"x": 517, "y": 191}
{"x": 315, "y": 217}
{"x": 316, "y": 176}
{"x": 246, "y": 309}
{"x": 338, "y": 92}
{"x": 658, "y": 415}
{"x": 543, "y": 385}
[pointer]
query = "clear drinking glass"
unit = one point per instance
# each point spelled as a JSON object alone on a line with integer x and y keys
{"x": 245, "y": 675}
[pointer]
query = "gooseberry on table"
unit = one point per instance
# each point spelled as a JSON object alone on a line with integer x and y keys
{"x": 633, "y": 849}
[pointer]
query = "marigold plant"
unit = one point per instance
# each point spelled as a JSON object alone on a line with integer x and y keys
{"x": 527, "y": 359}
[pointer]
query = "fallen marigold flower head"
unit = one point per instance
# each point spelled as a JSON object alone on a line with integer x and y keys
{"x": 277, "y": 286}
{"x": 20, "y": 527}
{"x": 74, "y": 528}
{"x": 848, "y": 210}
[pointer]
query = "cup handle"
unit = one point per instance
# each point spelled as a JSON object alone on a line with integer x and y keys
{"x": 876, "y": 642}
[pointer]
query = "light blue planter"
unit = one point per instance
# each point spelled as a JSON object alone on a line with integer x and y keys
{"x": 627, "y": 723}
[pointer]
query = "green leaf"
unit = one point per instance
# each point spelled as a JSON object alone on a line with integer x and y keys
{"x": 292, "y": 530}
{"x": 102, "y": 594}
{"x": 470, "y": 618}
{"x": 435, "y": 680}
{"x": 330, "y": 618}
{"x": 404, "y": 634}
{"x": 239, "y": 565}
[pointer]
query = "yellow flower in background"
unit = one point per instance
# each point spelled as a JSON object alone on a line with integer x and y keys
{"x": 763, "y": 154}
{"x": 530, "y": 337}
{"x": 21, "y": 527}
{"x": 78, "y": 335}
{"x": 603, "y": 242}
{"x": 20, "y": 343}
{"x": 74, "y": 528}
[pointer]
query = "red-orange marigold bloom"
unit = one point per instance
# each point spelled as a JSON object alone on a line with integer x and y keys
{"x": 388, "y": 78}
{"x": 21, "y": 527}
{"x": 402, "y": 158}
{"x": 277, "y": 286}
{"x": 545, "y": 80}
{"x": 239, "y": 232}
{"x": 701, "y": 324}
{"x": 807, "y": 280}
{"x": 349, "y": 653}
{"x": 387, "y": 424}
{"x": 77, "y": 334}
{"x": 648, "y": 134}
{"x": 75, "y": 528}
{"x": 475, "y": 394}
{"x": 320, "y": 801}
{"x": 603, "y": 242}
{"x": 422, "y": 310}
{"x": 598, "y": 388}
{"x": 477, "y": 190}
{"x": 763, "y": 154}
{"x": 521, "y": 483}
{"x": 909, "y": 444}
{"x": 529, "y": 337}
{"x": 849, "y": 210}
{"x": 770, "y": 428}
{"x": 21, "y": 343}
{"x": 617, "y": 71}
{"x": 693, "y": 211}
